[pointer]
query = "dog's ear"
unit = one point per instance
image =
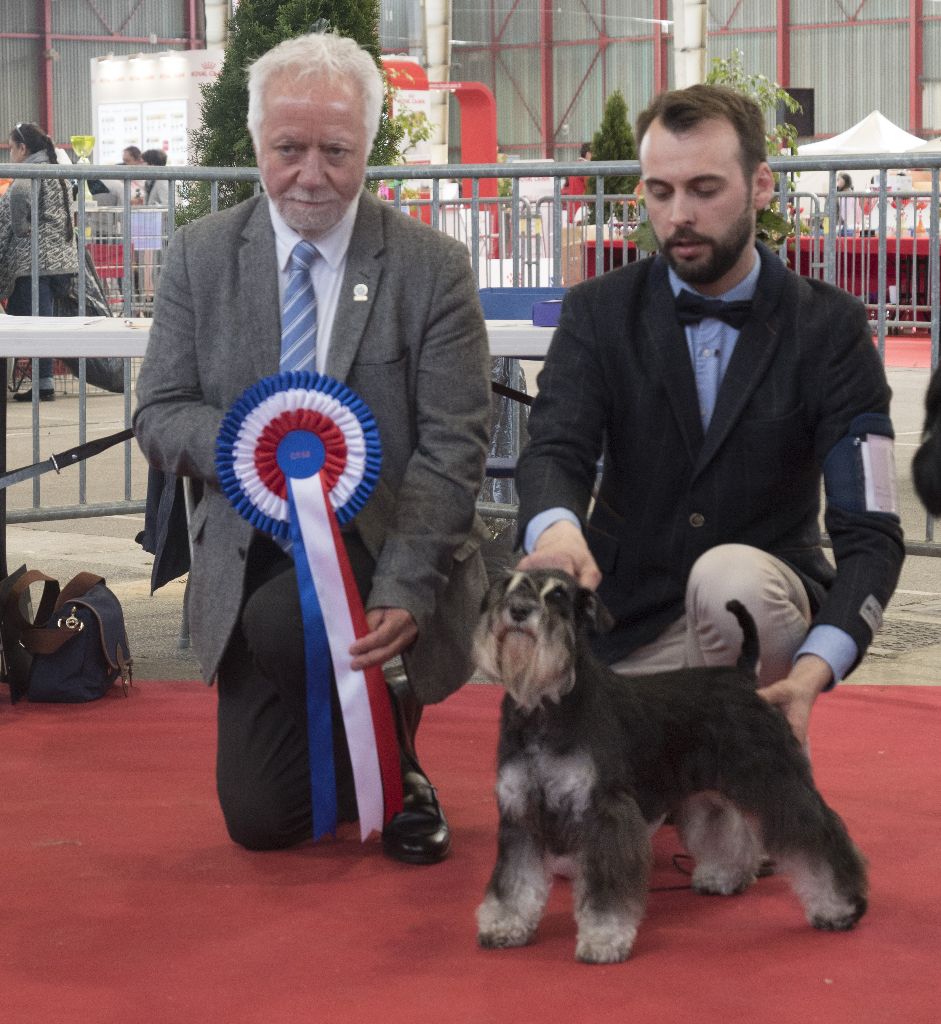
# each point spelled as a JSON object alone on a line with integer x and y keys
{"x": 926, "y": 465}
{"x": 590, "y": 611}
{"x": 493, "y": 592}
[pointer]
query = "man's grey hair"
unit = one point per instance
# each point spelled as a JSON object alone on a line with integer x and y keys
{"x": 319, "y": 55}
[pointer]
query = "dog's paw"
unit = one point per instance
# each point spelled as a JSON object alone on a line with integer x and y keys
{"x": 500, "y": 928}
{"x": 839, "y": 919}
{"x": 504, "y": 935}
{"x": 604, "y": 946}
{"x": 713, "y": 880}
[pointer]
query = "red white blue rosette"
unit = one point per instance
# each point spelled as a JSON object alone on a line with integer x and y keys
{"x": 298, "y": 455}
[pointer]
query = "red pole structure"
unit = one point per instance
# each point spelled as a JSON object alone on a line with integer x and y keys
{"x": 546, "y": 76}
{"x": 916, "y": 65}
{"x": 192, "y": 27}
{"x": 783, "y": 44}
{"x": 45, "y": 85}
{"x": 660, "y": 65}
{"x": 478, "y": 130}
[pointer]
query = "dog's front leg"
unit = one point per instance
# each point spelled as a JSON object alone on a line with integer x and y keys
{"x": 611, "y": 889}
{"x": 517, "y": 893}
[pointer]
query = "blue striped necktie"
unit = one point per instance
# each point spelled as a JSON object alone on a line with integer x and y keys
{"x": 299, "y": 312}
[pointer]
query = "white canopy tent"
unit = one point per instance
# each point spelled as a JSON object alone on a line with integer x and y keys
{"x": 874, "y": 134}
{"x": 934, "y": 146}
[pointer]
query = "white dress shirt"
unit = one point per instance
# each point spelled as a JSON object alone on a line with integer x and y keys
{"x": 326, "y": 271}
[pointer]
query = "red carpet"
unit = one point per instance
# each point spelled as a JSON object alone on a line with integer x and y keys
{"x": 908, "y": 351}
{"x": 122, "y": 899}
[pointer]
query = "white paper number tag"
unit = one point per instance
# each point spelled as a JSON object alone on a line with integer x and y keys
{"x": 878, "y": 454}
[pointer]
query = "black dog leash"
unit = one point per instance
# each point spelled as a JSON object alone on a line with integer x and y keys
{"x": 72, "y": 456}
{"x": 69, "y": 457}
{"x": 506, "y": 392}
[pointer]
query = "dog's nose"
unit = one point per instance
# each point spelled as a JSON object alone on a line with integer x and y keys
{"x": 519, "y": 612}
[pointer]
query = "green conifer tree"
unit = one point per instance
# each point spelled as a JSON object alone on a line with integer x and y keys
{"x": 257, "y": 26}
{"x": 614, "y": 140}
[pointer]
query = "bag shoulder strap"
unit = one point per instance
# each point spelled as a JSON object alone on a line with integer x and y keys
{"x": 47, "y": 603}
{"x": 41, "y": 636}
{"x": 76, "y": 587}
{"x": 47, "y": 638}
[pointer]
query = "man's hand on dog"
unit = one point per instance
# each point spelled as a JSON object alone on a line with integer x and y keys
{"x": 562, "y": 546}
{"x": 796, "y": 693}
{"x": 391, "y": 630}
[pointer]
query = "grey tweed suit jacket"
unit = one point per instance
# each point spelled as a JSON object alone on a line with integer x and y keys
{"x": 416, "y": 352}
{"x": 803, "y": 383}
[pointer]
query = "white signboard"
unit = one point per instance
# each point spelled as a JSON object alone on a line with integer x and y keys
{"x": 151, "y": 101}
{"x": 164, "y": 127}
{"x": 117, "y": 122}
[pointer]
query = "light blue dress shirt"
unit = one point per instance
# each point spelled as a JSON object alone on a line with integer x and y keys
{"x": 711, "y": 343}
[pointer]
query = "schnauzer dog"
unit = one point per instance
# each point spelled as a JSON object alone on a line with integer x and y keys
{"x": 589, "y": 764}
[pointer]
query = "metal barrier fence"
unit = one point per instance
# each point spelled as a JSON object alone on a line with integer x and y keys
{"x": 522, "y": 229}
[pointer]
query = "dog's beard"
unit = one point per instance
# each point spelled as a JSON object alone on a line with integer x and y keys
{"x": 531, "y": 667}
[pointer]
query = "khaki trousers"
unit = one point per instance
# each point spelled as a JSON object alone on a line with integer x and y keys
{"x": 708, "y": 634}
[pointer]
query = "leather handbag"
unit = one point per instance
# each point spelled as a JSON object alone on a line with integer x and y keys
{"x": 15, "y": 660}
{"x": 77, "y": 641}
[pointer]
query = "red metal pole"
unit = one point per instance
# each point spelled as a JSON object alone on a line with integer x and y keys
{"x": 47, "y": 104}
{"x": 189, "y": 11}
{"x": 546, "y": 78}
{"x": 783, "y": 44}
{"x": 916, "y": 65}
{"x": 660, "y": 65}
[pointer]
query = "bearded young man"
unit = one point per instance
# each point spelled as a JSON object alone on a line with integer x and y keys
{"x": 716, "y": 426}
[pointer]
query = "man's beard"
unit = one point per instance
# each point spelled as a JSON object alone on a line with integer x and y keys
{"x": 725, "y": 251}
{"x": 311, "y": 221}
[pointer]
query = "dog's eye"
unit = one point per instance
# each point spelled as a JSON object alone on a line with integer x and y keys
{"x": 557, "y": 595}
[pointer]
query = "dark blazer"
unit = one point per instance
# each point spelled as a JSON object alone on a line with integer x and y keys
{"x": 416, "y": 352}
{"x": 618, "y": 381}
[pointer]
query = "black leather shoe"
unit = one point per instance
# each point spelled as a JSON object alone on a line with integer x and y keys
{"x": 419, "y": 833}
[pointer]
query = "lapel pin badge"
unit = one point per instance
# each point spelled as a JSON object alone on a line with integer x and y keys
{"x": 360, "y": 293}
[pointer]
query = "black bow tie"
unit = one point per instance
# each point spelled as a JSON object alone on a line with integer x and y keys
{"x": 691, "y": 308}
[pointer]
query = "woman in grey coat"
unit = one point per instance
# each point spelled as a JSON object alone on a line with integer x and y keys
{"x": 58, "y": 256}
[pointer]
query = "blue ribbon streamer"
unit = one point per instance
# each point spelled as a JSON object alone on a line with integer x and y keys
{"x": 323, "y": 787}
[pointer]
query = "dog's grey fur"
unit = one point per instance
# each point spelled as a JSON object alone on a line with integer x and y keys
{"x": 590, "y": 762}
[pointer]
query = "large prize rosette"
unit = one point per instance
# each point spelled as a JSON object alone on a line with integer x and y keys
{"x": 298, "y": 455}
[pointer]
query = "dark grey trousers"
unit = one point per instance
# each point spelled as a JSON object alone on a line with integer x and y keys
{"x": 262, "y": 764}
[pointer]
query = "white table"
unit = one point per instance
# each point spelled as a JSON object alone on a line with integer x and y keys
{"x": 51, "y": 336}
{"x": 59, "y": 336}
{"x": 74, "y": 336}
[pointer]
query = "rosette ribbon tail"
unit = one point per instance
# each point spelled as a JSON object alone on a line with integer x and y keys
{"x": 331, "y": 605}
{"x": 323, "y": 789}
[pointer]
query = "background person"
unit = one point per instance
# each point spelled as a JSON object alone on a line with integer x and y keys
{"x": 156, "y": 191}
{"x": 715, "y": 434}
{"x": 577, "y": 185}
{"x": 58, "y": 256}
{"x": 130, "y": 156}
{"x": 398, "y": 319}
{"x": 848, "y": 206}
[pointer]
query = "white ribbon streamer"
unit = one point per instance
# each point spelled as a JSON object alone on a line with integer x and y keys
{"x": 317, "y": 534}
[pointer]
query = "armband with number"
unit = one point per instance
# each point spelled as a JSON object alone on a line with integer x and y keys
{"x": 859, "y": 472}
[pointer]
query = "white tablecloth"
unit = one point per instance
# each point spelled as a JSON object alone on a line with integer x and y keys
{"x": 117, "y": 336}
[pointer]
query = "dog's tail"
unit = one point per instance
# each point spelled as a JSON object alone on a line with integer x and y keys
{"x": 748, "y": 659}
